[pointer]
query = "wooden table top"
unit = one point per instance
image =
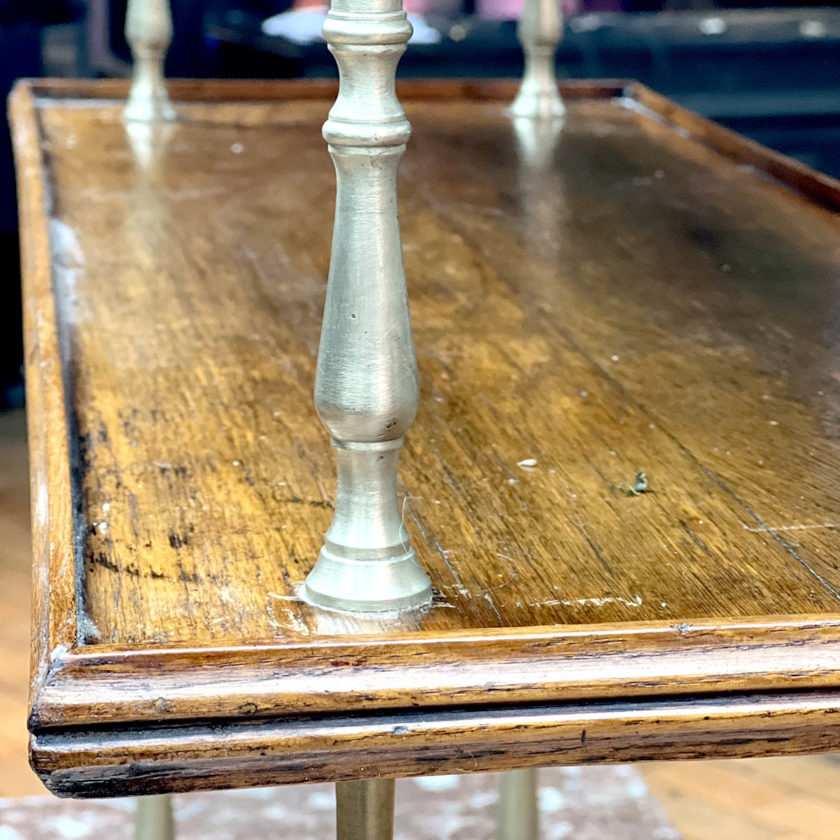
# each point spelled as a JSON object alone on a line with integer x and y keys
{"x": 635, "y": 291}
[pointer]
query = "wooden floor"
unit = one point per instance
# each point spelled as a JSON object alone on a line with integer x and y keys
{"x": 16, "y": 779}
{"x": 761, "y": 799}
{"x": 751, "y": 799}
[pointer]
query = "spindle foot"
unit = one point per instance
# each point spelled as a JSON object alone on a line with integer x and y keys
{"x": 341, "y": 583}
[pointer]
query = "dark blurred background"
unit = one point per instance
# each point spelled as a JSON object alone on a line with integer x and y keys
{"x": 770, "y": 71}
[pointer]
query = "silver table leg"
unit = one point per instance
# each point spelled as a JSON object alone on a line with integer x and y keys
{"x": 365, "y": 810}
{"x": 517, "y": 817}
{"x": 153, "y": 818}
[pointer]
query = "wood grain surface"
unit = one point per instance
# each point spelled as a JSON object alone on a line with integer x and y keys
{"x": 632, "y": 292}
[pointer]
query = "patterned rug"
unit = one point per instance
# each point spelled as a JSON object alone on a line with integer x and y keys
{"x": 592, "y": 803}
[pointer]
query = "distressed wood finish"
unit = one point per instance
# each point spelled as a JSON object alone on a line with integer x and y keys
{"x": 199, "y": 757}
{"x": 639, "y": 291}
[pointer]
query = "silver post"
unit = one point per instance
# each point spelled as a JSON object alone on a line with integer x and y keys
{"x": 366, "y": 390}
{"x": 153, "y": 818}
{"x": 148, "y": 30}
{"x": 517, "y": 817}
{"x": 365, "y": 810}
{"x": 539, "y": 31}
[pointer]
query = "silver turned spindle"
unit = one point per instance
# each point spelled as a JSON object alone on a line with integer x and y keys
{"x": 364, "y": 810}
{"x": 153, "y": 819}
{"x": 517, "y": 816}
{"x": 148, "y": 30}
{"x": 539, "y": 30}
{"x": 366, "y": 389}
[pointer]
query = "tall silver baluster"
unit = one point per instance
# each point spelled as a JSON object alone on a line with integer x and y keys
{"x": 366, "y": 389}
{"x": 148, "y": 30}
{"x": 539, "y": 31}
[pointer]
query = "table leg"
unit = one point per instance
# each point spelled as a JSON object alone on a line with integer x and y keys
{"x": 153, "y": 818}
{"x": 365, "y": 810}
{"x": 517, "y": 817}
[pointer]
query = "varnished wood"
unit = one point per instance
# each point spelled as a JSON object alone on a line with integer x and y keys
{"x": 552, "y": 664}
{"x": 630, "y": 300}
{"x": 54, "y": 622}
{"x": 728, "y": 799}
{"x": 115, "y": 762}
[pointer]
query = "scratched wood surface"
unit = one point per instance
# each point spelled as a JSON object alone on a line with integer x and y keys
{"x": 627, "y": 308}
{"x": 611, "y": 296}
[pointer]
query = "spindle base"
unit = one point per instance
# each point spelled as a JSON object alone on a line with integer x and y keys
{"x": 349, "y": 585}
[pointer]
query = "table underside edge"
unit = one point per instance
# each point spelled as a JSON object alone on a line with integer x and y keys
{"x": 103, "y": 763}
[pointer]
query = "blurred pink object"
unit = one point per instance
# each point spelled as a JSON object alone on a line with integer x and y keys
{"x": 485, "y": 9}
{"x": 303, "y": 22}
{"x": 419, "y": 7}
{"x": 511, "y": 9}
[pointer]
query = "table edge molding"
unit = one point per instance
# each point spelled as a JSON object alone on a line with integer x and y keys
{"x": 208, "y": 757}
{"x": 538, "y": 665}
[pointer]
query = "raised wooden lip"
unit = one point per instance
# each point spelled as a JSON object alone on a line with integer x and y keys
{"x": 529, "y": 665}
{"x": 264, "y": 679}
{"x": 204, "y": 91}
{"x": 815, "y": 186}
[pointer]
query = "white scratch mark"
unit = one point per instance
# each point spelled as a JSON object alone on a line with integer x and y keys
{"x": 792, "y": 527}
{"x": 636, "y": 601}
{"x": 291, "y": 619}
{"x": 42, "y": 505}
